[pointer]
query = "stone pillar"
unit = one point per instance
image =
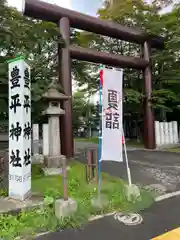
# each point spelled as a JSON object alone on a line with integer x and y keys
{"x": 19, "y": 129}
{"x": 54, "y": 160}
{"x": 170, "y": 126}
{"x": 175, "y": 132}
{"x": 46, "y": 139}
{"x": 54, "y": 136}
{"x": 149, "y": 125}
{"x": 157, "y": 133}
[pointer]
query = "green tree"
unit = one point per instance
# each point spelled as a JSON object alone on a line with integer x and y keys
{"x": 165, "y": 63}
{"x": 85, "y": 113}
{"x": 37, "y": 42}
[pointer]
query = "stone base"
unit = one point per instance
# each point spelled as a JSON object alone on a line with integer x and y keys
{"x": 99, "y": 202}
{"x": 54, "y": 161}
{"x": 65, "y": 208}
{"x": 37, "y": 159}
{"x": 20, "y": 197}
{"x": 133, "y": 193}
{"x": 54, "y": 171}
{"x": 9, "y": 205}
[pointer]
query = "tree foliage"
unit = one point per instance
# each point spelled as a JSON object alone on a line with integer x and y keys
{"x": 36, "y": 41}
{"x": 165, "y": 64}
{"x": 85, "y": 113}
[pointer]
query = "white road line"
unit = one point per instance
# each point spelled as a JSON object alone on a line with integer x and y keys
{"x": 166, "y": 196}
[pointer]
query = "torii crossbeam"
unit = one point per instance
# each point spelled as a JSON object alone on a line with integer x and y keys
{"x": 65, "y": 19}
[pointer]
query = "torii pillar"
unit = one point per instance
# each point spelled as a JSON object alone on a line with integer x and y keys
{"x": 66, "y": 131}
{"x": 149, "y": 125}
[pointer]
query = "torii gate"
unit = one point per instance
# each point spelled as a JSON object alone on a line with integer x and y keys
{"x": 65, "y": 19}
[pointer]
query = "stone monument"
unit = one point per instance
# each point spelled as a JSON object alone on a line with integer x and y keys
{"x": 54, "y": 161}
{"x": 19, "y": 129}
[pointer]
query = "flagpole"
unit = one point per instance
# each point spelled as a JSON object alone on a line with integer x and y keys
{"x": 126, "y": 160}
{"x": 100, "y": 137}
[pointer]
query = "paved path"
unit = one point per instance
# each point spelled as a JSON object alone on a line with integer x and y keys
{"x": 160, "y": 170}
{"x": 160, "y": 218}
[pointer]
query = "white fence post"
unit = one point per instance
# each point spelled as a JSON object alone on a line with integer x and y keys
{"x": 157, "y": 133}
{"x": 161, "y": 126}
{"x": 170, "y": 125}
{"x": 166, "y": 135}
{"x": 175, "y": 132}
{"x": 35, "y": 139}
{"x": 45, "y": 139}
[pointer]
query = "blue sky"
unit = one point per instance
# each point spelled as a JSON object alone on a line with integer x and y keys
{"x": 84, "y": 6}
{"x": 87, "y": 6}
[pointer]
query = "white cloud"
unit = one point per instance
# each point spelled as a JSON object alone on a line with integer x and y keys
{"x": 62, "y": 3}
{"x": 19, "y": 3}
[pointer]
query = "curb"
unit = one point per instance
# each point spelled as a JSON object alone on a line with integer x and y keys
{"x": 166, "y": 196}
{"x": 93, "y": 218}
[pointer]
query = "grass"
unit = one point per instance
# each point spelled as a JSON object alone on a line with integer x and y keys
{"x": 43, "y": 219}
{"x": 131, "y": 143}
{"x": 91, "y": 140}
{"x": 176, "y": 150}
{"x": 80, "y": 190}
{"x": 134, "y": 143}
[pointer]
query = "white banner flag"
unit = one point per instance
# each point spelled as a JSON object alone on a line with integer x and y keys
{"x": 111, "y": 149}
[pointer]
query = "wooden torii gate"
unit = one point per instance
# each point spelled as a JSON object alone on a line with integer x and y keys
{"x": 65, "y": 19}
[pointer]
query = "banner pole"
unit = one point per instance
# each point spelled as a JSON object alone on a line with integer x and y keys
{"x": 126, "y": 160}
{"x": 100, "y": 135}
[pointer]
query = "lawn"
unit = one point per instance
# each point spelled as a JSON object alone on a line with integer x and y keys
{"x": 43, "y": 219}
{"x": 176, "y": 150}
{"x": 91, "y": 140}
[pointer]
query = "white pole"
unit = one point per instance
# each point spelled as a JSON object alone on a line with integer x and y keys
{"x": 127, "y": 162}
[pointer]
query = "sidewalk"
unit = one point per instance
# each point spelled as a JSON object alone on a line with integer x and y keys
{"x": 160, "y": 218}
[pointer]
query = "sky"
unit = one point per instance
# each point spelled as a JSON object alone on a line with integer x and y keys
{"x": 84, "y": 6}
{"x": 89, "y": 7}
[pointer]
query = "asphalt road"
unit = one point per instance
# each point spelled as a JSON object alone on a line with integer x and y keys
{"x": 160, "y": 218}
{"x": 157, "y": 169}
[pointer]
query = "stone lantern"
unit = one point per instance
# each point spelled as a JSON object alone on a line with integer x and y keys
{"x": 54, "y": 161}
